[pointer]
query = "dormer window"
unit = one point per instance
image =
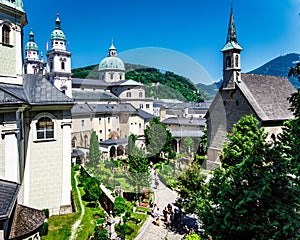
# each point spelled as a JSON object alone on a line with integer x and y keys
{"x": 5, "y": 34}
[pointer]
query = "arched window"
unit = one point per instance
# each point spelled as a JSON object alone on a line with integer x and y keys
{"x": 228, "y": 62}
{"x": 236, "y": 60}
{"x": 45, "y": 128}
{"x": 62, "y": 65}
{"x": 5, "y": 34}
{"x": 140, "y": 94}
{"x": 128, "y": 94}
{"x": 73, "y": 142}
{"x": 85, "y": 140}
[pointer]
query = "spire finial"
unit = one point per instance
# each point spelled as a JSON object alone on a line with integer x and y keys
{"x": 231, "y": 36}
{"x": 31, "y": 35}
{"x": 57, "y": 21}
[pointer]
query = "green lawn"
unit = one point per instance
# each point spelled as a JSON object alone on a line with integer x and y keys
{"x": 60, "y": 226}
{"x": 88, "y": 222}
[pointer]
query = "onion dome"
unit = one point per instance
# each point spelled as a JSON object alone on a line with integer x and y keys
{"x": 57, "y": 32}
{"x": 31, "y": 45}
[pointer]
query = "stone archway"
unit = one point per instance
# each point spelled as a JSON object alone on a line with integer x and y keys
{"x": 112, "y": 152}
{"x": 120, "y": 150}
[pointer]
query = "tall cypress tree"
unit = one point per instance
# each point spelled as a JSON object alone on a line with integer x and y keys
{"x": 94, "y": 149}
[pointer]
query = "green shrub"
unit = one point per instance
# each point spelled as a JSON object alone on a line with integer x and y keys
{"x": 124, "y": 228}
{"x": 44, "y": 229}
{"x": 119, "y": 206}
{"x": 76, "y": 167}
{"x": 46, "y": 212}
{"x": 100, "y": 233}
{"x": 192, "y": 236}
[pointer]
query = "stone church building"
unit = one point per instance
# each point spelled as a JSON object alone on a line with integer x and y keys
{"x": 265, "y": 97}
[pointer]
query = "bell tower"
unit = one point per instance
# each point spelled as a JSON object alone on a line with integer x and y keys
{"x": 33, "y": 63}
{"x": 231, "y": 57}
{"x": 59, "y": 61}
{"x": 12, "y": 21}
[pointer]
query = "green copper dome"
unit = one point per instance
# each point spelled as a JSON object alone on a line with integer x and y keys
{"x": 112, "y": 63}
{"x": 57, "y": 32}
{"x": 31, "y": 45}
{"x": 18, "y": 4}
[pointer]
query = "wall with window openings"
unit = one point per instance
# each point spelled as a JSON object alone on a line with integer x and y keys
{"x": 8, "y": 49}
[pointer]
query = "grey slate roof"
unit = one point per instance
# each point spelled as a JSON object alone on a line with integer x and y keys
{"x": 102, "y": 108}
{"x": 117, "y": 141}
{"x": 267, "y": 95}
{"x": 145, "y": 115}
{"x": 185, "y": 121}
{"x": 88, "y": 95}
{"x": 8, "y": 196}
{"x": 189, "y": 133}
{"x": 36, "y": 90}
{"x": 26, "y": 221}
{"x": 89, "y": 82}
{"x": 40, "y": 91}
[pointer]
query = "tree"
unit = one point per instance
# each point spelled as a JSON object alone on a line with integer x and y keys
{"x": 251, "y": 196}
{"x": 100, "y": 233}
{"x": 188, "y": 145}
{"x": 138, "y": 174}
{"x": 119, "y": 206}
{"x": 94, "y": 149}
{"x": 158, "y": 138}
{"x": 92, "y": 189}
{"x": 191, "y": 188}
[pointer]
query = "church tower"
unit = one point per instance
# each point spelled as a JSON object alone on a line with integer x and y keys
{"x": 32, "y": 63}
{"x": 59, "y": 61}
{"x": 231, "y": 57}
{"x": 12, "y": 21}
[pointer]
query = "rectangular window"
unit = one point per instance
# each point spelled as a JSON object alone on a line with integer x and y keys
{"x": 5, "y": 34}
{"x": 82, "y": 123}
{"x": 99, "y": 120}
{"x": 108, "y": 120}
{"x": 147, "y": 105}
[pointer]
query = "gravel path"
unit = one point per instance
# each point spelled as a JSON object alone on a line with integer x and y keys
{"x": 77, "y": 223}
{"x": 150, "y": 231}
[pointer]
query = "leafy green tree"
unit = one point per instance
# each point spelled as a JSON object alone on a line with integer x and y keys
{"x": 100, "y": 233}
{"x": 191, "y": 188}
{"x": 251, "y": 196}
{"x": 92, "y": 189}
{"x": 94, "y": 149}
{"x": 138, "y": 174}
{"x": 188, "y": 145}
{"x": 120, "y": 206}
{"x": 158, "y": 138}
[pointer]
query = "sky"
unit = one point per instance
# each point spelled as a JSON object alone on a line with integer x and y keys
{"x": 180, "y": 36}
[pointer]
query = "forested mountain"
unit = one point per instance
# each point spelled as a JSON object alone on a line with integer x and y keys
{"x": 159, "y": 84}
{"x": 280, "y": 66}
